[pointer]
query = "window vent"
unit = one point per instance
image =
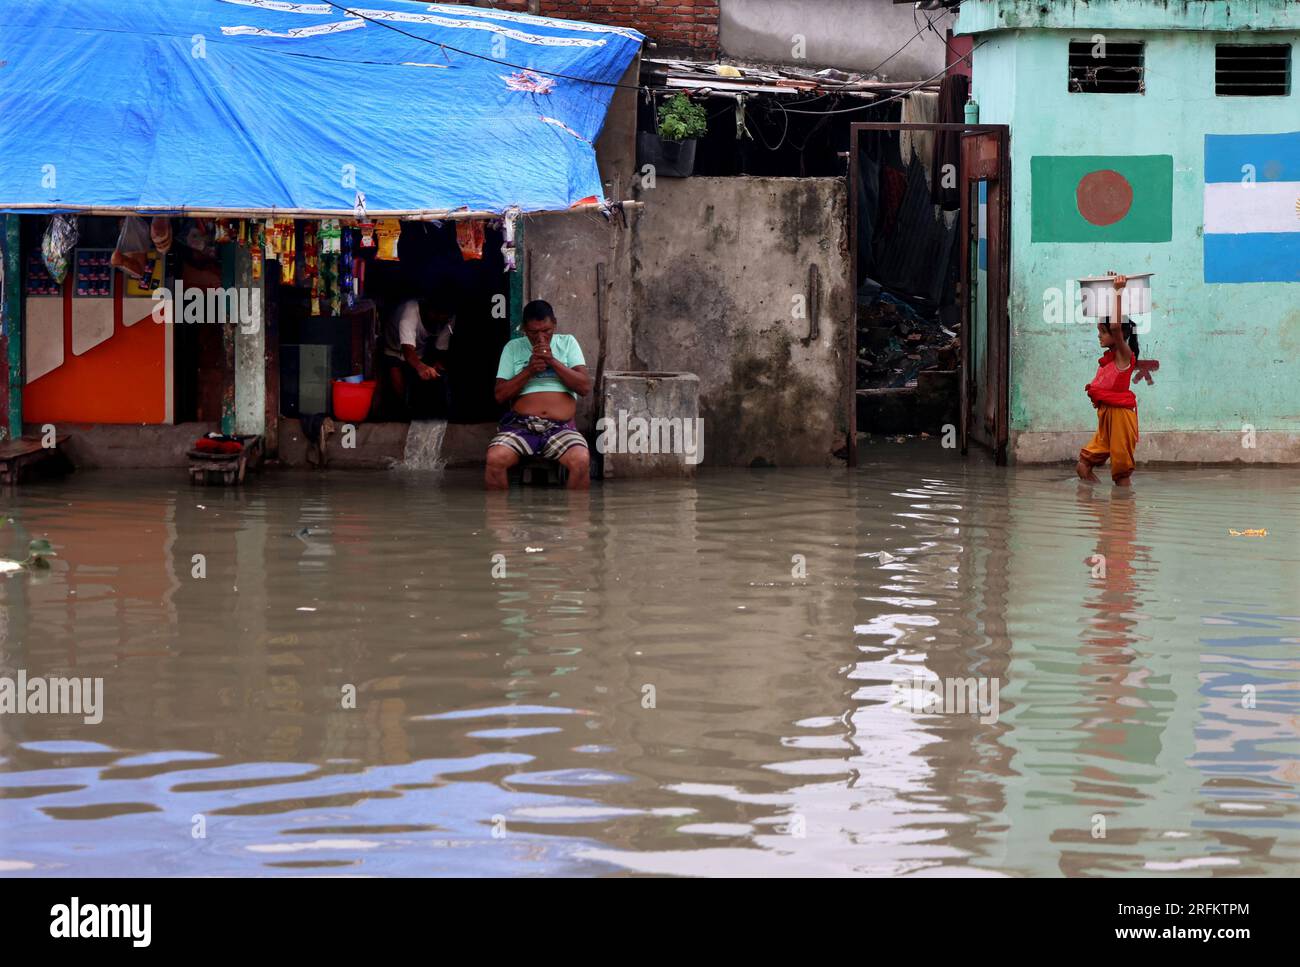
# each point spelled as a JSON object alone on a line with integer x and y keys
{"x": 1099, "y": 67}
{"x": 1252, "y": 70}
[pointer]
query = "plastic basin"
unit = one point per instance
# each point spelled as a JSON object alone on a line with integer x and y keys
{"x": 352, "y": 400}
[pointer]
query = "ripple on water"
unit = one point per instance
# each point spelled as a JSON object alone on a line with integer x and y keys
{"x": 691, "y": 678}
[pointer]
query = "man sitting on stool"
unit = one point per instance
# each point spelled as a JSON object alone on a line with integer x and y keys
{"x": 541, "y": 375}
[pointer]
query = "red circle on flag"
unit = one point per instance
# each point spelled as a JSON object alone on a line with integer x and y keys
{"x": 1104, "y": 197}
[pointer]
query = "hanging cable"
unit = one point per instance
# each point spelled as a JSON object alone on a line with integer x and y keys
{"x": 918, "y": 33}
{"x": 758, "y": 136}
{"x": 900, "y": 94}
{"x": 469, "y": 53}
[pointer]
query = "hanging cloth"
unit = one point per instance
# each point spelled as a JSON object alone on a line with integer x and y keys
{"x": 946, "y": 191}
{"x": 919, "y": 108}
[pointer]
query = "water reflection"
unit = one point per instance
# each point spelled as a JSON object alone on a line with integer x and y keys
{"x": 381, "y": 674}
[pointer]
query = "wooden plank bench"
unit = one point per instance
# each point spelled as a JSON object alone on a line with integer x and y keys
{"x": 226, "y": 469}
{"x": 26, "y": 457}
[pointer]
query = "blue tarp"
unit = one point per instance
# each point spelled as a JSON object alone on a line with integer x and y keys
{"x": 262, "y": 104}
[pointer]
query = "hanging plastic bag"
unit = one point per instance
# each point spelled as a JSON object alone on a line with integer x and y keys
{"x": 57, "y": 245}
{"x": 133, "y": 243}
{"x": 199, "y": 237}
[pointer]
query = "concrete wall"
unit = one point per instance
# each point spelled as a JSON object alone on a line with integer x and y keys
{"x": 564, "y": 250}
{"x": 251, "y": 361}
{"x": 126, "y": 446}
{"x": 849, "y": 34}
{"x": 1227, "y": 351}
{"x": 716, "y": 265}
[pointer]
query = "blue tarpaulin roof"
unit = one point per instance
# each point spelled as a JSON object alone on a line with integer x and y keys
{"x": 260, "y": 105}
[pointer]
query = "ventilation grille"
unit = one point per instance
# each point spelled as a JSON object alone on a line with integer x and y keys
{"x": 1106, "y": 68}
{"x": 1252, "y": 70}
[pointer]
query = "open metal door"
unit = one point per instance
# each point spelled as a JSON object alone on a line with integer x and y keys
{"x": 986, "y": 276}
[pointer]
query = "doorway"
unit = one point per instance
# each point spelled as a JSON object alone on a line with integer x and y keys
{"x": 930, "y": 338}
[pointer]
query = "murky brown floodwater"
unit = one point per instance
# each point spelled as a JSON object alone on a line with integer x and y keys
{"x": 501, "y": 724}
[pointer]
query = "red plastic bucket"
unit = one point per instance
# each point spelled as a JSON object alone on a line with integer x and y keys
{"x": 352, "y": 400}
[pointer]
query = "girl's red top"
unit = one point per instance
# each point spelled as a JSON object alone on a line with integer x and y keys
{"x": 1110, "y": 386}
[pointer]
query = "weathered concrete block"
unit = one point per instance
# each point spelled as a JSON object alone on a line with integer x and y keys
{"x": 651, "y": 425}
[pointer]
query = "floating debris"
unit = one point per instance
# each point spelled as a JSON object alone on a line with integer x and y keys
{"x": 37, "y": 552}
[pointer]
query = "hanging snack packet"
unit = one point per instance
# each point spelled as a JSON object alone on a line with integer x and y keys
{"x": 57, "y": 244}
{"x": 469, "y": 236}
{"x": 311, "y": 263}
{"x": 345, "y": 271}
{"x": 286, "y": 249}
{"x": 160, "y": 233}
{"x": 330, "y": 237}
{"x": 199, "y": 237}
{"x": 389, "y": 231}
{"x": 508, "y": 226}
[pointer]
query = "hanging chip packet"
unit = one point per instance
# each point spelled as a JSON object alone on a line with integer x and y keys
{"x": 469, "y": 236}
{"x": 388, "y": 232}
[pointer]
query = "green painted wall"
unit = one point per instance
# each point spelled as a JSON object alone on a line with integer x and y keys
{"x": 978, "y": 16}
{"x": 1227, "y": 352}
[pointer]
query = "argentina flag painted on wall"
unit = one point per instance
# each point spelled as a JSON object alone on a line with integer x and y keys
{"x": 1252, "y": 207}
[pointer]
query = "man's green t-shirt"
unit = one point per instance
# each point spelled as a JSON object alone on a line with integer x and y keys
{"x": 518, "y": 351}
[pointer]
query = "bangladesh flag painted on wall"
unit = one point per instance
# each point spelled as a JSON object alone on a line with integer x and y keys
{"x": 1102, "y": 198}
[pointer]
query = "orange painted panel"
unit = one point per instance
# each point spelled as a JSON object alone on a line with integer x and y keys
{"x": 122, "y": 380}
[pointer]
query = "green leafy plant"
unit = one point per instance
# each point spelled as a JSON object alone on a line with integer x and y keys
{"x": 679, "y": 119}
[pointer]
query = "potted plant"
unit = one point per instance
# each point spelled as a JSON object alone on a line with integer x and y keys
{"x": 671, "y": 148}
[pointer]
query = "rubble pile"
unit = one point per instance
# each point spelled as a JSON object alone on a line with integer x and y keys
{"x": 897, "y": 340}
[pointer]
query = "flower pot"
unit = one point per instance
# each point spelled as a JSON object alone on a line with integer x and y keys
{"x": 671, "y": 159}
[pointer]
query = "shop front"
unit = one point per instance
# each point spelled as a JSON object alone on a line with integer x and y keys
{"x": 209, "y": 254}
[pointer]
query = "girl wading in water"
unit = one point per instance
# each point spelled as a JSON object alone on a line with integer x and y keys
{"x": 1117, "y": 421}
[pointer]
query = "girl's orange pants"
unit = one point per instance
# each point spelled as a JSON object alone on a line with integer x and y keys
{"x": 1115, "y": 440}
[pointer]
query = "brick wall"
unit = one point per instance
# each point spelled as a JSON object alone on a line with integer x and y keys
{"x": 673, "y": 25}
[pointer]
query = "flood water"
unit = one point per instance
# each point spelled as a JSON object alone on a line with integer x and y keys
{"x": 716, "y": 677}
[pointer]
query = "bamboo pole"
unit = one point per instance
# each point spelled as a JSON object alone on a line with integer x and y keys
{"x": 421, "y": 215}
